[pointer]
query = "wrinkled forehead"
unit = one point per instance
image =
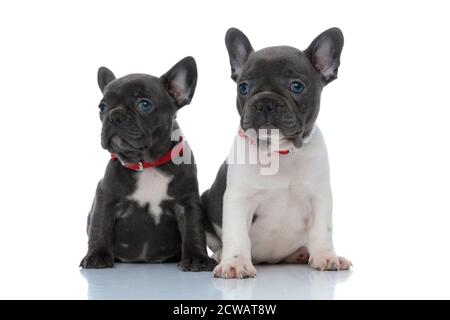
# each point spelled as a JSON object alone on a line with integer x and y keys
{"x": 137, "y": 85}
{"x": 286, "y": 62}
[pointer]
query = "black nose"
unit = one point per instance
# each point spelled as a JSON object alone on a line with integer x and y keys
{"x": 117, "y": 117}
{"x": 266, "y": 106}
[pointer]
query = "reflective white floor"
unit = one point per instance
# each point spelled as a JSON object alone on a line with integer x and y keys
{"x": 165, "y": 281}
{"x": 368, "y": 280}
{"x": 141, "y": 281}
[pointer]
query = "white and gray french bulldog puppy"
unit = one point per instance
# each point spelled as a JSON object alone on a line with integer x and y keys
{"x": 284, "y": 216}
{"x": 147, "y": 206}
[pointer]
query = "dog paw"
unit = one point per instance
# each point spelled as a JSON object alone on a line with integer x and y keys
{"x": 97, "y": 260}
{"x": 328, "y": 260}
{"x": 200, "y": 263}
{"x": 237, "y": 267}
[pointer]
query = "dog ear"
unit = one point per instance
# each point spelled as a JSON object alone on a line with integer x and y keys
{"x": 239, "y": 49}
{"x": 325, "y": 52}
{"x": 104, "y": 76}
{"x": 180, "y": 81}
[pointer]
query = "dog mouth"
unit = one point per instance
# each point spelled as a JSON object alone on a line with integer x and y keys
{"x": 283, "y": 122}
{"x": 268, "y": 126}
{"x": 269, "y": 130}
{"x": 120, "y": 144}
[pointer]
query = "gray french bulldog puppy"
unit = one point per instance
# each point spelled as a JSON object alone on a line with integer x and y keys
{"x": 284, "y": 216}
{"x": 147, "y": 207}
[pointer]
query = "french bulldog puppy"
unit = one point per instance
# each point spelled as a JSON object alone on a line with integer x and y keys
{"x": 147, "y": 206}
{"x": 283, "y": 216}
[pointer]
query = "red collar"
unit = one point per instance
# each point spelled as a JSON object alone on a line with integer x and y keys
{"x": 242, "y": 134}
{"x": 177, "y": 150}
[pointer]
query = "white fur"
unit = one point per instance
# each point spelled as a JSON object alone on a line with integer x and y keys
{"x": 143, "y": 256}
{"x": 293, "y": 209}
{"x": 151, "y": 188}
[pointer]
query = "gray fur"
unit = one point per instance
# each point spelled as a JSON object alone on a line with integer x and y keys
{"x": 212, "y": 199}
{"x": 119, "y": 229}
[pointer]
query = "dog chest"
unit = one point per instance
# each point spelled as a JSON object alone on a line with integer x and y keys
{"x": 151, "y": 189}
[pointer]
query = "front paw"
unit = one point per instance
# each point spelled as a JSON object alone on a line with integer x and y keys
{"x": 328, "y": 260}
{"x": 197, "y": 263}
{"x": 237, "y": 267}
{"x": 97, "y": 260}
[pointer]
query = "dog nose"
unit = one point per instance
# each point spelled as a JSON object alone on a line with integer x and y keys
{"x": 116, "y": 118}
{"x": 266, "y": 106}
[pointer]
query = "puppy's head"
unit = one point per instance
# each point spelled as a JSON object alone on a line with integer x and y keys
{"x": 280, "y": 87}
{"x": 137, "y": 111}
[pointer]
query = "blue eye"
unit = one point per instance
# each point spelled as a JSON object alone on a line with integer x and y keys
{"x": 297, "y": 87}
{"x": 243, "y": 88}
{"x": 102, "y": 107}
{"x": 144, "y": 105}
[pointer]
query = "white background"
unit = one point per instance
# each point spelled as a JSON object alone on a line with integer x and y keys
{"x": 385, "y": 120}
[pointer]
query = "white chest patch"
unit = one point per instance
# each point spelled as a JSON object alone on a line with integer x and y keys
{"x": 151, "y": 189}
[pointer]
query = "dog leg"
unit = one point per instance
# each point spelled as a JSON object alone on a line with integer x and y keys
{"x": 320, "y": 244}
{"x": 236, "y": 259}
{"x": 100, "y": 232}
{"x": 194, "y": 256}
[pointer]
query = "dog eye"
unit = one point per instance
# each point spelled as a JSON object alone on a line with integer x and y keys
{"x": 144, "y": 105}
{"x": 243, "y": 88}
{"x": 297, "y": 87}
{"x": 102, "y": 107}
